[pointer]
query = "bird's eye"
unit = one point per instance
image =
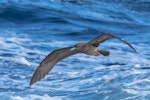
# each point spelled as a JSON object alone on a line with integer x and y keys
{"x": 75, "y": 46}
{"x": 95, "y": 45}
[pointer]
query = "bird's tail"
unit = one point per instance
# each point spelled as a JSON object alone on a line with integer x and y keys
{"x": 104, "y": 53}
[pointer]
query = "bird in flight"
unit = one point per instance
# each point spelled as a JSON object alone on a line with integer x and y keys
{"x": 89, "y": 48}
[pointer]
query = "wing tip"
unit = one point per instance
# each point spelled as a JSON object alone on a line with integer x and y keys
{"x": 34, "y": 78}
{"x": 37, "y": 76}
{"x": 31, "y": 83}
{"x": 105, "y": 33}
{"x": 134, "y": 50}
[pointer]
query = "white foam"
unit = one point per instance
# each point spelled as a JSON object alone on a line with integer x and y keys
{"x": 12, "y": 42}
{"x": 15, "y": 46}
{"x": 131, "y": 91}
{"x": 136, "y": 93}
{"x": 73, "y": 74}
{"x": 18, "y": 40}
{"x": 7, "y": 45}
{"x": 36, "y": 97}
{"x": 89, "y": 80}
{"x": 21, "y": 60}
{"x": 137, "y": 65}
{"x": 109, "y": 78}
{"x": 135, "y": 71}
{"x": 135, "y": 82}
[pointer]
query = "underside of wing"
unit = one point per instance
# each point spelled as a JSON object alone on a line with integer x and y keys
{"x": 49, "y": 62}
{"x": 105, "y": 36}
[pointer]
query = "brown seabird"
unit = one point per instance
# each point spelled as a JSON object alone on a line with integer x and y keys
{"x": 89, "y": 48}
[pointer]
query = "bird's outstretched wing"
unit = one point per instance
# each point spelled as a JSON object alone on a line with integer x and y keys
{"x": 105, "y": 36}
{"x": 48, "y": 63}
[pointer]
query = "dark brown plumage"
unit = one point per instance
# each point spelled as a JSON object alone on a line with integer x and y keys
{"x": 89, "y": 48}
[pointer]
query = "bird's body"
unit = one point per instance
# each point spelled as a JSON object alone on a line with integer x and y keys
{"x": 89, "y": 48}
{"x": 92, "y": 51}
{"x": 84, "y": 47}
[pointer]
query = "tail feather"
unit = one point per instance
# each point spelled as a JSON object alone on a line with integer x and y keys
{"x": 104, "y": 53}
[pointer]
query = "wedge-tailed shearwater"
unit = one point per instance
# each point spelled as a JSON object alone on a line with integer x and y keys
{"x": 89, "y": 48}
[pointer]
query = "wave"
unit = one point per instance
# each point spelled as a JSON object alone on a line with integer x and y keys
{"x": 31, "y": 29}
{"x": 35, "y": 97}
{"x": 31, "y": 11}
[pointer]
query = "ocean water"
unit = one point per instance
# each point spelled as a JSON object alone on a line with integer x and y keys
{"x": 31, "y": 29}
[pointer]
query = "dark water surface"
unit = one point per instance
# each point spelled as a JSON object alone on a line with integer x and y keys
{"x": 30, "y": 29}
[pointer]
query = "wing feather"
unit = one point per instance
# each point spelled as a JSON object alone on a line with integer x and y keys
{"x": 49, "y": 62}
{"x": 105, "y": 36}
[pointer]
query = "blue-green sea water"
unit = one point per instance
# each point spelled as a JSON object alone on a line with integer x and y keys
{"x": 31, "y": 29}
